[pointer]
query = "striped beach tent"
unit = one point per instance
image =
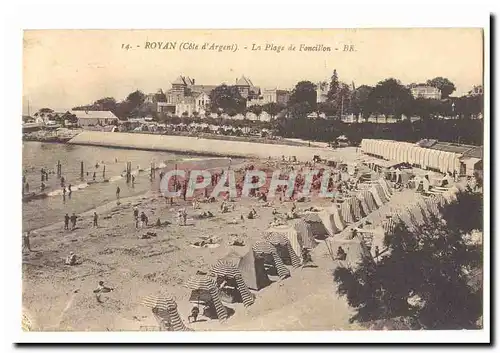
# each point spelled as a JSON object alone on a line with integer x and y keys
{"x": 363, "y": 204}
{"x": 356, "y": 207}
{"x": 226, "y": 270}
{"x": 389, "y": 224}
{"x": 366, "y": 198}
{"x": 347, "y": 211}
{"x": 381, "y": 193}
{"x": 334, "y": 215}
{"x": 320, "y": 226}
{"x": 252, "y": 269}
{"x": 201, "y": 285}
{"x": 293, "y": 238}
{"x": 304, "y": 234}
{"x": 166, "y": 311}
{"x": 268, "y": 251}
{"x": 376, "y": 196}
{"x": 385, "y": 189}
{"x": 282, "y": 244}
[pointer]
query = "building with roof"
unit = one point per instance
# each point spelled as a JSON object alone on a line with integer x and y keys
{"x": 476, "y": 91}
{"x": 471, "y": 157}
{"x": 247, "y": 88}
{"x": 187, "y": 96}
{"x": 271, "y": 95}
{"x": 95, "y": 117}
{"x": 425, "y": 91}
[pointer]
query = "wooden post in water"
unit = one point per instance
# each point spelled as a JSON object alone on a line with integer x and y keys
{"x": 81, "y": 170}
{"x": 129, "y": 167}
{"x": 104, "y": 172}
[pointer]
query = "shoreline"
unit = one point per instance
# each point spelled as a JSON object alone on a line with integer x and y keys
{"x": 108, "y": 206}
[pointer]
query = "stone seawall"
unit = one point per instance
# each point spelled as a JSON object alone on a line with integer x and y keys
{"x": 198, "y": 146}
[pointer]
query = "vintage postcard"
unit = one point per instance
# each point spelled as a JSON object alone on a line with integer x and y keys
{"x": 253, "y": 180}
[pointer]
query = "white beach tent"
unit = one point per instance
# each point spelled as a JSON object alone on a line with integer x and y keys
{"x": 442, "y": 161}
{"x": 426, "y": 158}
{"x": 420, "y": 156}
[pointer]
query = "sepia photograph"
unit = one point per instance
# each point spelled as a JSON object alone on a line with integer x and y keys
{"x": 253, "y": 180}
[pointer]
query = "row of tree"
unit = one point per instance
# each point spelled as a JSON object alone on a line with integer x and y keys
{"x": 389, "y": 97}
{"x": 459, "y": 131}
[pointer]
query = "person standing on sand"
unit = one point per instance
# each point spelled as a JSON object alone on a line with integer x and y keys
{"x": 117, "y": 192}
{"x": 69, "y": 190}
{"x": 27, "y": 187}
{"x": 66, "y": 222}
{"x": 73, "y": 221}
{"x": 26, "y": 241}
{"x": 144, "y": 219}
{"x": 64, "y": 191}
{"x": 95, "y": 219}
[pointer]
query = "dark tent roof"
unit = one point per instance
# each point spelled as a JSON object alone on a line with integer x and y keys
{"x": 252, "y": 269}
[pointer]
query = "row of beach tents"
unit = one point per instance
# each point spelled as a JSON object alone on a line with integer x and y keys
{"x": 332, "y": 220}
{"x": 282, "y": 245}
{"x": 268, "y": 256}
{"x": 405, "y": 152}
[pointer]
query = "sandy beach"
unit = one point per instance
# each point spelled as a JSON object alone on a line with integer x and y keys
{"x": 60, "y": 297}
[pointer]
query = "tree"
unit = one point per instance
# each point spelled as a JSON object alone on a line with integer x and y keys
{"x": 273, "y": 108}
{"x": 329, "y": 108}
{"x": 334, "y": 87}
{"x": 299, "y": 110}
{"x": 256, "y": 109}
{"x": 108, "y": 103}
{"x": 389, "y": 97}
{"x": 46, "y": 110}
{"x": 136, "y": 98}
{"x": 224, "y": 98}
{"x": 443, "y": 84}
{"x": 304, "y": 92}
{"x": 423, "y": 275}
{"x": 359, "y": 98}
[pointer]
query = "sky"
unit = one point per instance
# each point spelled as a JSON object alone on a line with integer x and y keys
{"x": 67, "y": 68}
